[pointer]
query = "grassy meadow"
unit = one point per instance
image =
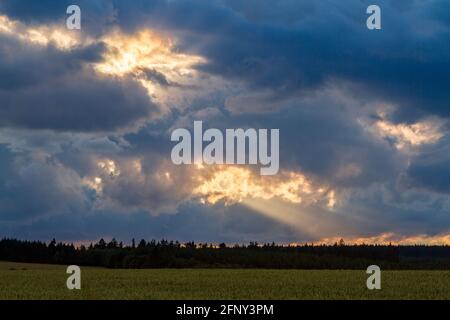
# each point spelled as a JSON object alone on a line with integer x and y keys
{"x": 35, "y": 281}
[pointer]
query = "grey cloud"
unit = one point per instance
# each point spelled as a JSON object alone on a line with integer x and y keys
{"x": 149, "y": 188}
{"x": 34, "y": 185}
{"x": 24, "y": 64}
{"x": 43, "y": 88}
{"x": 430, "y": 171}
{"x": 235, "y": 224}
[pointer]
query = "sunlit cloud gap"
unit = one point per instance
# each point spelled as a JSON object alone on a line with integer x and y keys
{"x": 287, "y": 198}
{"x": 407, "y": 135}
{"x": 232, "y": 184}
{"x": 151, "y": 59}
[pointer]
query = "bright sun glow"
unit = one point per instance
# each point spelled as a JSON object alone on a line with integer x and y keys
{"x": 150, "y": 58}
{"x": 40, "y": 35}
{"x": 236, "y": 184}
{"x": 420, "y": 133}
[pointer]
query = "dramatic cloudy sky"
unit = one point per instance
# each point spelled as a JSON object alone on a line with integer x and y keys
{"x": 86, "y": 118}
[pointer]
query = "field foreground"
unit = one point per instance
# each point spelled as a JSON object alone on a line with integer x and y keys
{"x": 34, "y": 281}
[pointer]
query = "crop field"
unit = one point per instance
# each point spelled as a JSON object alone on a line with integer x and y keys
{"x": 34, "y": 281}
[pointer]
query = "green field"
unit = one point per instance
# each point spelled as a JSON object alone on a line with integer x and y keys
{"x": 34, "y": 281}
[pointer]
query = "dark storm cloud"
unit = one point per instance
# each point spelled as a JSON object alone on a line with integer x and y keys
{"x": 430, "y": 171}
{"x": 286, "y": 53}
{"x": 405, "y": 62}
{"x": 45, "y": 88}
{"x": 431, "y": 176}
{"x": 292, "y": 46}
{"x": 34, "y": 11}
{"x": 83, "y": 103}
{"x": 385, "y": 208}
{"x": 156, "y": 77}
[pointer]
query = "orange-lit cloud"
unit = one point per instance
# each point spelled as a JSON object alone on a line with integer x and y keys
{"x": 416, "y": 134}
{"x": 386, "y": 238}
{"x": 145, "y": 50}
{"x": 151, "y": 59}
{"x": 213, "y": 184}
{"x": 232, "y": 184}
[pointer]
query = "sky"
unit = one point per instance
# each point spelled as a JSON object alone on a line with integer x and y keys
{"x": 86, "y": 118}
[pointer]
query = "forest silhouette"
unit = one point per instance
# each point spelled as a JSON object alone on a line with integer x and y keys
{"x": 173, "y": 254}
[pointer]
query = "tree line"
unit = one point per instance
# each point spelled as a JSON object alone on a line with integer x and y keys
{"x": 173, "y": 254}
